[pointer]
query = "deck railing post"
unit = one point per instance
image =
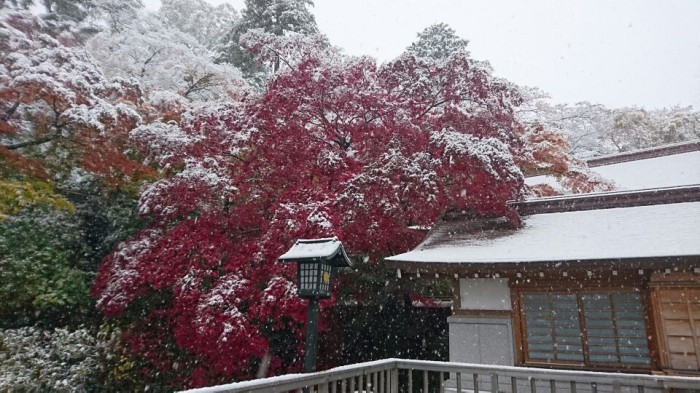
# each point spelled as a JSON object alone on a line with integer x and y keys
{"x": 616, "y": 388}
{"x": 410, "y": 380}
{"x": 494, "y": 383}
{"x": 425, "y": 381}
{"x": 394, "y": 380}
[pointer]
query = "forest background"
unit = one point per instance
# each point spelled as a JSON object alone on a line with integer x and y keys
{"x": 153, "y": 166}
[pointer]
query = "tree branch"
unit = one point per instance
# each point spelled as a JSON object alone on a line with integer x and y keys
{"x": 33, "y": 142}
{"x": 145, "y": 63}
{"x": 203, "y": 83}
{"x": 279, "y": 57}
{"x": 435, "y": 105}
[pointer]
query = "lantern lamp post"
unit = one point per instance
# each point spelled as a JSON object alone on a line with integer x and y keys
{"x": 316, "y": 260}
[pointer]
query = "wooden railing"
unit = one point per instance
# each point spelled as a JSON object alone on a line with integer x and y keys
{"x": 418, "y": 376}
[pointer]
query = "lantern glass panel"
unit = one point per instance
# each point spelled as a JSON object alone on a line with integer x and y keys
{"x": 325, "y": 279}
{"x": 314, "y": 279}
{"x": 308, "y": 277}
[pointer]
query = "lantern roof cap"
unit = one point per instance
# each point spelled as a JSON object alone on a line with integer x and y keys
{"x": 329, "y": 250}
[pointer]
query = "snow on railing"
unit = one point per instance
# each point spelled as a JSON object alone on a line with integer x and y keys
{"x": 419, "y": 376}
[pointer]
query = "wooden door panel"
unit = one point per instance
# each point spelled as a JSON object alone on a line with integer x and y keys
{"x": 674, "y": 311}
{"x": 678, "y": 313}
{"x": 681, "y": 345}
{"x": 678, "y": 327}
{"x": 684, "y": 362}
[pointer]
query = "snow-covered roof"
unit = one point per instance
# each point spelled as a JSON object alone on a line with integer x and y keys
{"x": 663, "y": 230}
{"x": 627, "y": 172}
{"x": 318, "y": 249}
{"x": 666, "y": 171}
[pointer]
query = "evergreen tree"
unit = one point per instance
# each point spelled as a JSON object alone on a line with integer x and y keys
{"x": 437, "y": 42}
{"x": 278, "y": 17}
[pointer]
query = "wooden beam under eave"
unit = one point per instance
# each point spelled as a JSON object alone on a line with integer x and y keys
{"x": 509, "y": 269}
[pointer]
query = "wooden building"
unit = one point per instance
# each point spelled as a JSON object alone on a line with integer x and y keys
{"x": 607, "y": 281}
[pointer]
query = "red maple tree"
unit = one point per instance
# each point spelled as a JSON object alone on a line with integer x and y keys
{"x": 334, "y": 146}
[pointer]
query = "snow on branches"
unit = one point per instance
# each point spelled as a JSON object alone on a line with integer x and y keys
{"x": 52, "y": 91}
{"x": 333, "y": 146}
{"x": 163, "y": 59}
{"x": 34, "y": 359}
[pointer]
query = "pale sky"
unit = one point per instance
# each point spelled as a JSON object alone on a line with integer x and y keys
{"x": 612, "y": 52}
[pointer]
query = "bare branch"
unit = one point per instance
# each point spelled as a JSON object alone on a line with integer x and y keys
{"x": 203, "y": 83}
{"x": 145, "y": 63}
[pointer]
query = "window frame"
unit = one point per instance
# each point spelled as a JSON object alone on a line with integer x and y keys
{"x": 520, "y": 329}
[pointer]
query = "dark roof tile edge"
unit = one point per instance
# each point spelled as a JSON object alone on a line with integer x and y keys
{"x": 654, "y": 152}
{"x": 608, "y": 200}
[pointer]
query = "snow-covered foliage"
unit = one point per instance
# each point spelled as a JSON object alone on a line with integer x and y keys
{"x": 82, "y": 18}
{"x": 637, "y": 128}
{"x": 164, "y": 140}
{"x": 276, "y": 17}
{"x": 437, "y": 42}
{"x": 198, "y": 18}
{"x": 330, "y": 145}
{"x": 64, "y": 79}
{"x": 280, "y": 17}
{"x": 16, "y": 4}
{"x": 334, "y": 145}
{"x": 34, "y": 359}
{"x": 559, "y": 137}
{"x": 491, "y": 153}
{"x": 545, "y": 153}
{"x": 592, "y": 130}
{"x": 163, "y": 59}
{"x": 582, "y": 124}
{"x": 53, "y": 92}
{"x": 283, "y": 53}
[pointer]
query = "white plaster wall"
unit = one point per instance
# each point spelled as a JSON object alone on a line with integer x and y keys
{"x": 484, "y": 294}
{"x": 481, "y": 340}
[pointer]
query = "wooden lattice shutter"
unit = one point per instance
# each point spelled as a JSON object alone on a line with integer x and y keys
{"x": 678, "y": 311}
